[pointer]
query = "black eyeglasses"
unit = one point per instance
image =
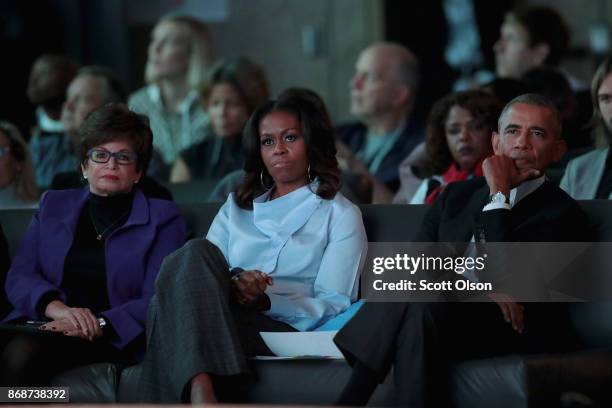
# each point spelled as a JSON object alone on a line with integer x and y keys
{"x": 103, "y": 156}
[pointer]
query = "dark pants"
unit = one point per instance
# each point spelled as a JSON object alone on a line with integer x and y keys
{"x": 194, "y": 327}
{"x": 32, "y": 359}
{"x": 420, "y": 340}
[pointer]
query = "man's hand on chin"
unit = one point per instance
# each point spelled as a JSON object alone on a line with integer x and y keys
{"x": 503, "y": 175}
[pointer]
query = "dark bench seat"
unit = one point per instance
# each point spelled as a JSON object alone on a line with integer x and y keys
{"x": 511, "y": 381}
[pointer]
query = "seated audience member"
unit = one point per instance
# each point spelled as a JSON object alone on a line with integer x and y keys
{"x": 513, "y": 202}
{"x": 230, "y": 182}
{"x": 17, "y": 181}
{"x": 233, "y": 89}
{"x": 590, "y": 176}
{"x": 179, "y": 55}
{"x": 5, "y": 263}
{"x": 383, "y": 91}
{"x": 534, "y": 36}
{"x": 283, "y": 254}
{"x": 530, "y": 37}
{"x": 47, "y": 84}
{"x": 552, "y": 83}
{"x": 52, "y": 151}
{"x": 413, "y": 169}
{"x": 89, "y": 258}
{"x": 458, "y": 140}
{"x": 94, "y": 87}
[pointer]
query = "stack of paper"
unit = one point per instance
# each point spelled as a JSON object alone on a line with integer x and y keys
{"x": 285, "y": 345}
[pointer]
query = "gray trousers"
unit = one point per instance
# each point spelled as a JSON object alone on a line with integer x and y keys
{"x": 194, "y": 327}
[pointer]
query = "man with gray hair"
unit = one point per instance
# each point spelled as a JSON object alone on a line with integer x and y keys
{"x": 383, "y": 92}
{"x": 92, "y": 87}
{"x": 513, "y": 202}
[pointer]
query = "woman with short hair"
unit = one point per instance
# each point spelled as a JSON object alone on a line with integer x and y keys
{"x": 88, "y": 261}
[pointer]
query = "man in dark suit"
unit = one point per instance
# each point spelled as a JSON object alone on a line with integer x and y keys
{"x": 512, "y": 203}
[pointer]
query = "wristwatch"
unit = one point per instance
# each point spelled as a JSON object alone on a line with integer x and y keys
{"x": 102, "y": 322}
{"x": 498, "y": 198}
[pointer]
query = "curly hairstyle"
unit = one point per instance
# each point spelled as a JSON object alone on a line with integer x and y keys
{"x": 484, "y": 108}
{"x": 318, "y": 133}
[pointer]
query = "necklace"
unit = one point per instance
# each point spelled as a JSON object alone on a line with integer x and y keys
{"x": 100, "y": 235}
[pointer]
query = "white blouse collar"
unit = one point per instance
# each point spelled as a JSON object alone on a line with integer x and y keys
{"x": 284, "y": 215}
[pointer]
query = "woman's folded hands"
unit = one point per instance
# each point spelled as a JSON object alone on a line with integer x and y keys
{"x": 249, "y": 289}
{"x": 72, "y": 321}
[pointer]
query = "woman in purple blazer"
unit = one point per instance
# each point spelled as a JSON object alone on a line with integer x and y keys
{"x": 89, "y": 259}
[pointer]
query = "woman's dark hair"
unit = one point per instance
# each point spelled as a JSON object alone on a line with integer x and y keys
{"x": 246, "y": 77}
{"x": 484, "y": 108}
{"x": 113, "y": 122}
{"x": 318, "y": 133}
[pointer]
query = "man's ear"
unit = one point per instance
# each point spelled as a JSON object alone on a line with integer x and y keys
{"x": 402, "y": 95}
{"x": 496, "y": 141}
{"x": 540, "y": 52}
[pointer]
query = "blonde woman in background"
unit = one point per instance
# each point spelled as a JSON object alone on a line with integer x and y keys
{"x": 17, "y": 181}
{"x": 180, "y": 53}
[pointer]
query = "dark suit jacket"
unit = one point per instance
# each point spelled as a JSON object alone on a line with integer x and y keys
{"x": 548, "y": 214}
{"x": 354, "y": 136}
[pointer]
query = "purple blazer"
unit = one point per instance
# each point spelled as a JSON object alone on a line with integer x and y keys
{"x": 134, "y": 253}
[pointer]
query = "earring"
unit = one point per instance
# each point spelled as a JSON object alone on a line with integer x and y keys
{"x": 262, "y": 181}
{"x": 309, "y": 177}
{"x": 85, "y": 176}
